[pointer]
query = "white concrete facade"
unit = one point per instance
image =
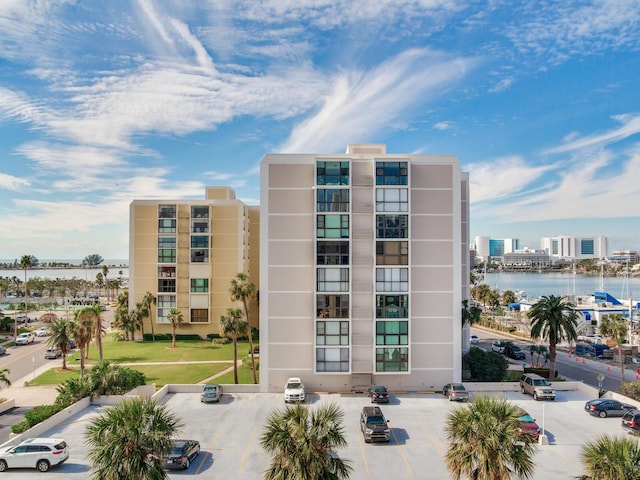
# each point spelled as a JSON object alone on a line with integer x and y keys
{"x": 569, "y": 247}
{"x": 364, "y": 265}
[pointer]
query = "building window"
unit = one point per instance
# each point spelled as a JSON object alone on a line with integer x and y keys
{"x": 392, "y": 279}
{"x": 199, "y": 226}
{"x": 199, "y": 315}
{"x": 199, "y": 249}
{"x": 332, "y": 359}
{"x": 332, "y": 306}
{"x": 166, "y": 226}
{"x": 332, "y": 226}
{"x": 332, "y": 333}
{"x": 332, "y": 173}
{"x": 166, "y": 285}
{"x": 392, "y": 200}
{"x": 332, "y": 253}
{"x": 333, "y": 280}
{"x": 587, "y": 247}
{"x": 392, "y": 333}
{"x": 165, "y": 303}
{"x": 392, "y": 253}
{"x": 166, "y": 249}
{"x": 166, "y": 211}
{"x": 199, "y": 285}
{"x": 392, "y": 173}
{"x": 332, "y": 200}
{"x": 392, "y": 226}
{"x": 392, "y": 306}
{"x": 166, "y": 272}
{"x": 392, "y": 359}
{"x": 200, "y": 211}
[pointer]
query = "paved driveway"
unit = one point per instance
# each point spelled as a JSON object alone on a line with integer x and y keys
{"x": 229, "y": 435}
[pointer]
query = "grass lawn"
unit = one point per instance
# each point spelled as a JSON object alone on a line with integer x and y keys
{"x": 158, "y": 374}
{"x": 244, "y": 376}
{"x": 161, "y": 351}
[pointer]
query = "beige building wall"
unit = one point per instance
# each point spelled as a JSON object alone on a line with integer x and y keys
{"x": 206, "y": 241}
{"x": 292, "y": 327}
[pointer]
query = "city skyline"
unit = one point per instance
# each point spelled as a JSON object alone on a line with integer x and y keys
{"x": 101, "y": 104}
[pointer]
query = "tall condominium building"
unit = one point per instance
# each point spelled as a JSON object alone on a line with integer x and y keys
{"x": 569, "y": 247}
{"x": 364, "y": 265}
{"x": 488, "y": 248}
{"x": 186, "y": 252}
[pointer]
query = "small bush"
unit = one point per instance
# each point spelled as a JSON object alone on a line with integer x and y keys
{"x": 631, "y": 390}
{"x": 486, "y": 366}
{"x": 40, "y": 413}
{"x": 20, "y": 427}
{"x": 211, "y": 336}
{"x": 246, "y": 362}
{"x": 221, "y": 341}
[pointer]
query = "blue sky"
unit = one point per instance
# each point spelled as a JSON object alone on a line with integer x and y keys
{"x": 102, "y": 103}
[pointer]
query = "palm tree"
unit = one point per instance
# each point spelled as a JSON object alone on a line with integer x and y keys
{"x": 612, "y": 458}
{"x": 137, "y": 318}
{"x": 105, "y": 272}
{"x": 61, "y": 332}
{"x": 25, "y": 263}
{"x": 147, "y": 302}
{"x": 302, "y": 443}
{"x": 176, "y": 318}
{"x": 130, "y": 440}
{"x": 244, "y": 291}
{"x": 554, "y": 319}
{"x": 615, "y": 326}
{"x": 539, "y": 351}
{"x": 485, "y": 442}
{"x": 83, "y": 332}
{"x": 470, "y": 315}
{"x": 4, "y": 377}
{"x": 232, "y": 327}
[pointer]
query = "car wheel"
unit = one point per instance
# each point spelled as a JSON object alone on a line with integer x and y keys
{"x": 535, "y": 396}
{"x": 451, "y": 398}
{"x": 602, "y": 414}
{"x": 3, "y": 465}
{"x": 367, "y": 441}
{"x": 42, "y": 465}
{"x": 197, "y": 452}
{"x": 522, "y": 390}
{"x": 186, "y": 464}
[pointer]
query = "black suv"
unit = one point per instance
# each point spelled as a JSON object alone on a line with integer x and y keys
{"x": 373, "y": 425}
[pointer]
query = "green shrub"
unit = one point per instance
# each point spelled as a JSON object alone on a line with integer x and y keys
{"x": 40, "y": 413}
{"x": 221, "y": 341}
{"x": 211, "y": 336}
{"x": 485, "y": 366}
{"x": 20, "y": 427}
{"x": 246, "y": 362}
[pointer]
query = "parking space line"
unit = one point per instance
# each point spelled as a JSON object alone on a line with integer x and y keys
{"x": 361, "y": 445}
{"x": 432, "y": 439}
{"x": 579, "y": 468}
{"x": 245, "y": 455}
{"x": 210, "y": 447}
{"x": 402, "y": 454}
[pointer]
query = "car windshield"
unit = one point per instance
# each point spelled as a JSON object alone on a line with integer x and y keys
{"x": 458, "y": 388}
{"x": 293, "y": 385}
{"x": 541, "y": 383}
{"x": 379, "y": 389}
{"x": 526, "y": 418}
{"x": 177, "y": 448}
{"x": 375, "y": 420}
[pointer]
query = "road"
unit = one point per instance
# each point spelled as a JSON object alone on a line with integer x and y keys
{"x": 24, "y": 360}
{"x": 584, "y": 369}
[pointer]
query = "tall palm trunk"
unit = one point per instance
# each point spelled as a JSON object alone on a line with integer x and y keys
{"x": 235, "y": 359}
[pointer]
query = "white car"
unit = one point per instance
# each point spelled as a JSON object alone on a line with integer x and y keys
{"x": 25, "y": 338}
{"x": 40, "y": 453}
{"x": 42, "y": 332}
{"x": 475, "y": 340}
{"x": 294, "y": 390}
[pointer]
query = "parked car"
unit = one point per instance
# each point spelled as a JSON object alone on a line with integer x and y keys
{"x": 3, "y": 350}
{"x": 72, "y": 343}
{"x": 498, "y": 346}
{"x": 475, "y": 340}
{"x": 211, "y": 393}
{"x": 25, "y": 338}
{"x": 535, "y": 385}
{"x": 455, "y": 392}
{"x": 293, "y": 390}
{"x": 378, "y": 394}
{"x": 631, "y": 422}
{"x": 39, "y": 453}
{"x": 52, "y": 353}
{"x": 42, "y": 332}
{"x": 585, "y": 349}
{"x": 515, "y": 352}
{"x": 528, "y": 425}
{"x": 606, "y": 407}
{"x": 183, "y": 452}
{"x": 373, "y": 425}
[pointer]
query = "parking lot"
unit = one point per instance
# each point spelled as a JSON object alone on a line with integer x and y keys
{"x": 229, "y": 434}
